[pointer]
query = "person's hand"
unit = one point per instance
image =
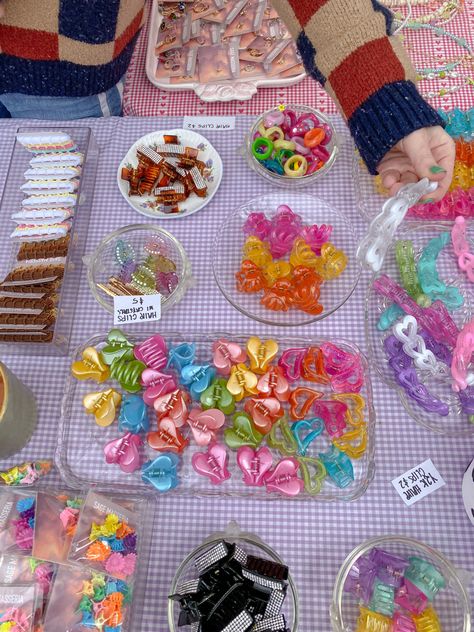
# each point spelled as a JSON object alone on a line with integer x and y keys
{"x": 427, "y": 153}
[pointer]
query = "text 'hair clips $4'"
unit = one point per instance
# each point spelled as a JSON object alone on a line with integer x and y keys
{"x": 167, "y": 438}
{"x": 217, "y": 395}
{"x": 225, "y": 354}
{"x": 242, "y": 432}
{"x": 103, "y": 405}
{"x": 133, "y": 415}
{"x": 212, "y": 464}
{"x": 124, "y": 452}
{"x": 118, "y": 346}
{"x": 91, "y": 366}
{"x": 162, "y": 472}
{"x": 255, "y": 464}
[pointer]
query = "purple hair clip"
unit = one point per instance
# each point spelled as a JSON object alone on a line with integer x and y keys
{"x": 361, "y": 578}
{"x": 390, "y": 568}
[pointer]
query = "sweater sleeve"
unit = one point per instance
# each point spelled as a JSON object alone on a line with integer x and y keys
{"x": 347, "y": 46}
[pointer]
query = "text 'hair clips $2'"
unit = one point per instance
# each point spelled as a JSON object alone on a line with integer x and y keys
{"x": 91, "y": 367}
{"x": 103, "y": 405}
{"x": 162, "y": 472}
{"x": 124, "y": 452}
{"x": 212, "y": 464}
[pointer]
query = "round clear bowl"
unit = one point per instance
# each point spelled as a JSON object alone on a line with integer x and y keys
{"x": 456, "y": 423}
{"x": 252, "y": 545}
{"x": 284, "y": 180}
{"x": 227, "y": 256}
{"x": 102, "y": 263}
{"x": 452, "y": 604}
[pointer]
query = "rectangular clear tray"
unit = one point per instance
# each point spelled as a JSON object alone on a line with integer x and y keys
{"x": 11, "y": 202}
{"x": 80, "y": 455}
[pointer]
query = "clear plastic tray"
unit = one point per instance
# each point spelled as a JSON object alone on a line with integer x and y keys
{"x": 11, "y": 202}
{"x": 80, "y": 455}
{"x": 230, "y": 238}
{"x": 252, "y": 545}
{"x": 333, "y": 148}
{"x": 452, "y": 604}
{"x": 456, "y": 423}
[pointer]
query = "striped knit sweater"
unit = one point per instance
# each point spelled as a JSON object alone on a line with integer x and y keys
{"x": 80, "y": 47}
{"x": 346, "y": 45}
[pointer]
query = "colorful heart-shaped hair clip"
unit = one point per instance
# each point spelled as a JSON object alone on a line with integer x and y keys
{"x": 197, "y": 377}
{"x": 344, "y": 369}
{"x": 353, "y": 443}
{"x": 254, "y": 464}
{"x": 161, "y": 473}
{"x": 256, "y": 251}
{"x": 338, "y": 466}
{"x": 315, "y": 236}
{"x": 212, "y": 463}
{"x": 118, "y": 346}
{"x": 282, "y": 439}
{"x": 283, "y": 479}
{"x": 274, "y": 384}
{"x": 264, "y": 412}
{"x": 217, "y": 395}
{"x": 313, "y": 473}
{"x": 242, "y": 382}
{"x": 156, "y": 384}
{"x": 124, "y": 452}
{"x": 403, "y": 623}
{"x": 153, "y": 352}
{"x": 127, "y": 374}
{"x": 291, "y": 362}
{"x": 242, "y": 432}
{"x": 133, "y": 415}
{"x": 279, "y": 297}
{"x": 258, "y": 225}
{"x": 91, "y": 367}
{"x": 250, "y": 278}
{"x": 174, "y": 406}
{"x": 103, "y": 406}
{"x": 427, "y": 621}
{"x": 204, "y": 424}
{"x": 302, "y": 255}
{"x": 411, "y": 598}
{"x": 331, "y": 263}
{"x": 225, "y": 354}
{"x": 369, "y": 620}
{"x": 181, "y": 355}
{"x": 313, "y": 366}
{"x": 333, "y": 414}
{"x": 355, "y": 407}
{"x": 305, "y": 432}
{"x": 167, "y": 438}
{"x": 276, "y": 270}
{"x": 261, "y": 353}
{"x": 301, "y": 400}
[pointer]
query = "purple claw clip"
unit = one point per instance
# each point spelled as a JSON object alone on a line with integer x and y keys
{"x": 361, "y": 578}
{"x": 390, "y": 568}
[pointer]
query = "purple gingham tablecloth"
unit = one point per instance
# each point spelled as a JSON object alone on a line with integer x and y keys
{"x": 312, "y": 537}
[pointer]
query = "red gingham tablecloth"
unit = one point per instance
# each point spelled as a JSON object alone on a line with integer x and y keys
{"x": 142, "y": 98}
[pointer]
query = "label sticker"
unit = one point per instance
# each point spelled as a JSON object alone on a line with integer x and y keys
{"x": 209, "y": 123}
{"x": 418, "y": 482}
{"x": 136, "y": 309}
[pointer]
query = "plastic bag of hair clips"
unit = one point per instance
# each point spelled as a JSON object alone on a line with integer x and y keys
{"x": 20, "y": 607}
{"x": 17, "y": 521}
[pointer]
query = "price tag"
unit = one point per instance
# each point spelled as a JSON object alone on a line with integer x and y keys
{"x": 136, "y": 309}
{"x": 418, "y": 482}
{"x": 209, "y": 123}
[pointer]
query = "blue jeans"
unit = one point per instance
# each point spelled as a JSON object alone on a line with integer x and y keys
{"x": 108, "y": 103}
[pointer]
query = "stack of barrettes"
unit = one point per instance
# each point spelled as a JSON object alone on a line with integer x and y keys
{"x": 29, "y": 293}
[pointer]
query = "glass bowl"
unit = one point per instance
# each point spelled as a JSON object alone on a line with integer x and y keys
{"x": 102, "y": 264}
{"x": 284, "y": 180}
{"x": 228, "y": 248}
{"x": 456, "y": 423}
{"x": 252, "y": 545}
{"x": 452, "y": 604}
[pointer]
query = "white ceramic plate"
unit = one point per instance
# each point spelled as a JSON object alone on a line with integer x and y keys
{"x": 144, "y": 204}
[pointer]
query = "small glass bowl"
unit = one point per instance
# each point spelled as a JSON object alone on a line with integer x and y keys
{"x": 284, "y": 180}
{"x": 102, "y": 264}
{"x": 452, "y": 604}
{"x": 227, "y": 256}
{"x": 252, "y": 545}
{"x": 456, "y": 423}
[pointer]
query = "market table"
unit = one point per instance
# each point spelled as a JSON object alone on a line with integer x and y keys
{"x": 142, "y": 98}
{"x": 312, "y": 537}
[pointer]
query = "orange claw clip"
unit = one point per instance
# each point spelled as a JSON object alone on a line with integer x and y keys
{"x": 250, "y": 278}
{"x": 278, "y": 298}
{"x": 331, "y": 263}
{"x": 301, "y": 401}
